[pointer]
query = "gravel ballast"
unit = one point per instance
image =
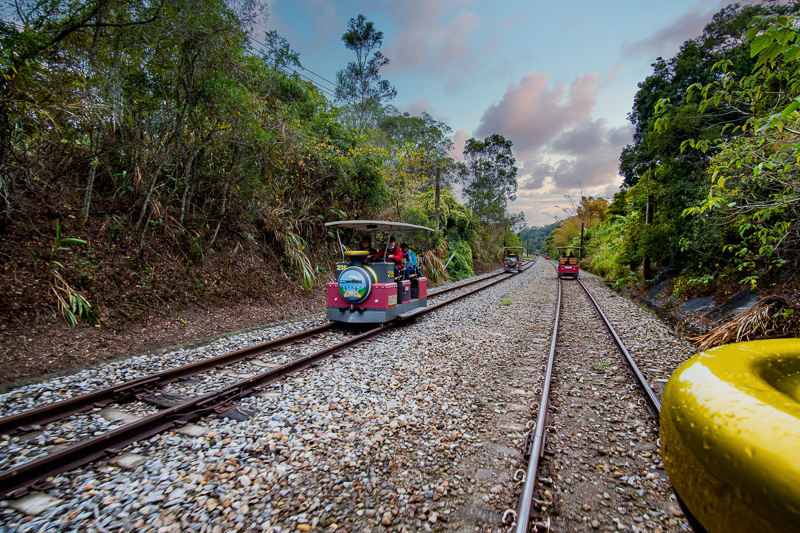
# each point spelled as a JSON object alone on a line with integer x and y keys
{"x": 421, "y": 429}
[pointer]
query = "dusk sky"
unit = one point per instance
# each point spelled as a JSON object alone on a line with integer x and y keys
{"x": 556, "y": 78}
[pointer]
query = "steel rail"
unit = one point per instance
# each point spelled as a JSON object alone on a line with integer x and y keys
{"x": 537, "y": 448}
{"x": 147, "y": 385}
{"x": 649, "y": 393}
{"x": 652, "y": 399}
{"x": 462, "y": 285}
{"x": 526, "y": 497}
{"x": 17, "y": 481}
{"x": 144, "y": 386}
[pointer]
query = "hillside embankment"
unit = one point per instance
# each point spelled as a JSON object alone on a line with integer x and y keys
{"x": 147, "y": 298}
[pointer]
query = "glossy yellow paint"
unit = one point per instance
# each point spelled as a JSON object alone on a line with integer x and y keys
{"x": 730, "y": 435}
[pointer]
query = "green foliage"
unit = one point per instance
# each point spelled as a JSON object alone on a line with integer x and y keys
{"x": 755, "y": 178}
{"x": 610, "y": 251}
{"x": 360, "y": 84}
{"x": 533, "y": 238}
{"x": 72, "y": 305}
{"x": 460, "y": 266}
{"x": 489, "y": 176}
{"x": 686, "y": 115}
{"x": 163, "y": 114}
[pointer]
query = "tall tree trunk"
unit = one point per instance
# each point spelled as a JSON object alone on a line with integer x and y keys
{"x": 152, "y": 186}
{"x": 87, "y": 195}
{"x": 5, "y": 122}
{"x": 222, "y": 215}
{"x": 187, "y": 185}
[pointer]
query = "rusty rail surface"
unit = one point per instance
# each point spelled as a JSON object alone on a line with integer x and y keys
{"x": 538, "y": 440}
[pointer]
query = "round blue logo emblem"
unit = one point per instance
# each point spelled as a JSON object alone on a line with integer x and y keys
{"x": 354, "y": 285}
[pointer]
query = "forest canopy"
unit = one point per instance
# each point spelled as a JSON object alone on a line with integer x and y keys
{"x": 169, "y": 124}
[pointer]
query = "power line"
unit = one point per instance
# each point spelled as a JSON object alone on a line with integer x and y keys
{"x": 455, "y": 155}
{"x": 328, "y": 90}
{"x": 317, "y": 75}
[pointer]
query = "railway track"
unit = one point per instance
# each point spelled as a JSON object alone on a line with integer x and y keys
{"x": 539, "y": 434}
{"x": 147, "y": 386}
{"x": 19, "y": 479}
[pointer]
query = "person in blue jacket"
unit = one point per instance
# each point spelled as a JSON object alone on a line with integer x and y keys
{"x": 409, "y": 260}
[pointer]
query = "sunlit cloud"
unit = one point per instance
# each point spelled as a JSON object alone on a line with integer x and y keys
{"x": 532, "y": 113}
{"x": 459, "y": 139}
{"x": 416, "y": 108}
{"x": 561, "y": 149}
{"x": 424, "y": 40}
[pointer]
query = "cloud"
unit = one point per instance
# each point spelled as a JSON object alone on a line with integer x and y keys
{"x": 429, "y": 45}
{"x": 532, "y": 113}
{"x": 611, "y": 76}
{"x": 580, "y": 140}
{"x": 584, "y": 157}
{"x": 321, "y": 16}
{"x": 446, "y": 38}
{"x": 562, "y": 148}
{"x": 459, "y": 139}
{"x": 416, "y": 108}
{"x": 666, "y": 41}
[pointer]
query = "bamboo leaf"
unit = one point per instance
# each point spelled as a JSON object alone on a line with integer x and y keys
{"x": 70, "y": 240}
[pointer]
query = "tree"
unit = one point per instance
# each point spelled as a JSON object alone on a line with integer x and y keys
{"x": 755, "y": 178}
{"x": 489, "y": 176}
{"x": 655, "y": 163}
{"x": 279, "y": 54}
{"x": 360, "y": 84}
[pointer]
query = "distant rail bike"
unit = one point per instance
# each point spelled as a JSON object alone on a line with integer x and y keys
{"x": 512, "y": 258}
{"x": 372, "y": 288}
{"x": 569, "y": 257}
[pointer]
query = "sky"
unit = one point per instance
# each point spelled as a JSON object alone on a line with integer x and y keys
{"x": 556, "y": 78}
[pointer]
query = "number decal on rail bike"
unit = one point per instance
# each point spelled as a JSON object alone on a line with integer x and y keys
{"x": 341, "y": 267}
{"x": 354, "y": 284}
{"x": 393, "y": 300}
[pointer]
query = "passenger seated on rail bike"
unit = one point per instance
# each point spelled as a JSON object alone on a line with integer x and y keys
{"x": 562, "y": 260}
{"x": 391, "y": 254}
{"x": 366, "y": 244}
{"x": 409, "y": 261}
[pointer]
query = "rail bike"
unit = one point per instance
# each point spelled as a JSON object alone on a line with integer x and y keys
{"x": 512, "y": 258}
{"x": 370, "y": 289}
{"x": 569, "y": 257}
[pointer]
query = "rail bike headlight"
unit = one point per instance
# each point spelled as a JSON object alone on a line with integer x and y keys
{"x": 355, "y": 284}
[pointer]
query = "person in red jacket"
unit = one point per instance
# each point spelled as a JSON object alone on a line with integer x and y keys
{"x": 391, "y": 253}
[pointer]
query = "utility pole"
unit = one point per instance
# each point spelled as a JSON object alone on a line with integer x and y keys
{"x": 436, "y": 201}
{"x": 648, "y": 220}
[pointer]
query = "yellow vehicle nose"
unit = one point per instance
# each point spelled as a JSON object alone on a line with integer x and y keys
{"x": 730, "y": 433}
